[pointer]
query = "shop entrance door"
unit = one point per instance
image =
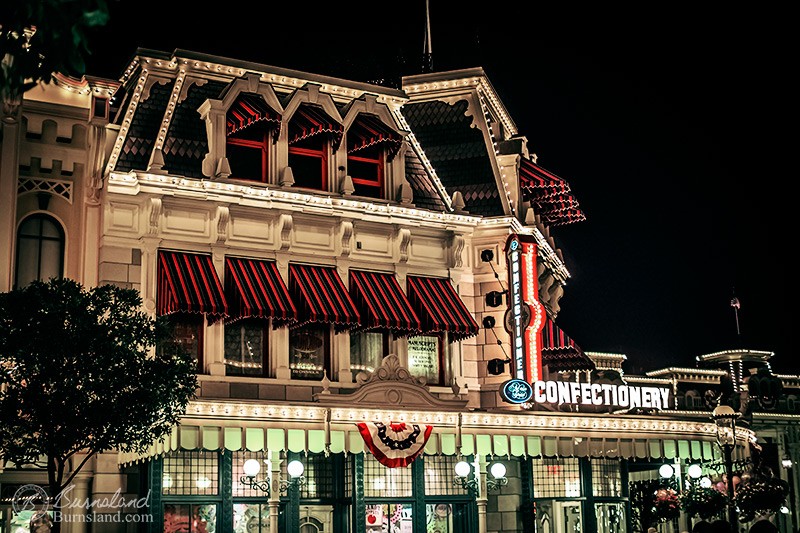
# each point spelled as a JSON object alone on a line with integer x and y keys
{"x": 568, "y": 518}
{"x": 316, "y": 518}
{"x": 451, "y": 517}
{"x": 610, "y": 517}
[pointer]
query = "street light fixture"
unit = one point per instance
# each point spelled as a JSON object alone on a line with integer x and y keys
{"x": 292, "y": 486}
{"x": 725, "y": 419}
{"x": 251, "y": 469}
{"x": 464, "y": 480}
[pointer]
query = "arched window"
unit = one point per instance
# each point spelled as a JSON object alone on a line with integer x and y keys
{"x": 40, "y": 250}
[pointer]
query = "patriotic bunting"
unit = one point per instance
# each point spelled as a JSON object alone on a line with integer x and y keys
{"x": 396, "y": 443}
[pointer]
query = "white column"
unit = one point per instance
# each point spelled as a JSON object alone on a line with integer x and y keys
{"x": 481, "y": 500}
{"x": 9, "y": 168}
{"x": 275, "y": 493}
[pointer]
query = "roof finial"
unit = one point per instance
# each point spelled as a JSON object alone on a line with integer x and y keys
{"x": 427, "y": 50}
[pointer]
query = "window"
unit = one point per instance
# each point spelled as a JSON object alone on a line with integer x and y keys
{"x": 606, "y": 478}
{"x": 190, "y": 473}
{"x": 366, "y": 167}
{"x": 309, "y": 162}
{"x": 309, "y": 351}
{"x": 247, "y": 151}
{"x": 246, "y": 347}
{"x": 556, "y": 478}
{"x": 190, "y": 518}
{"x": 40, "y": 250}
{"x": 250, "y": 518}
{"x": 188, "y": 333}
{"x": 367, "y": 350}
{"x": 426, "y": 358}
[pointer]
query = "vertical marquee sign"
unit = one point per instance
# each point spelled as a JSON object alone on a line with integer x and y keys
{"x": 525, "y": 316}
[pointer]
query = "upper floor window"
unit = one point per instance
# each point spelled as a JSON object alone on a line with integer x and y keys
{"x": 370, "y": 144}
{"x": 40, "y": 249}
{"x": 312, "y": 135}
{"x": 189, "y": 290}
{"x": 309, "y": 162}
{"x": 187, "y": 331}
{"x": 246, "y": 347}
{"x": 426, "y": 358}
{"x": 310, "y": 351}
{"x": 366, "y": 168}
{"x": 367, "y": 350}
{"x": 251, "y": 128}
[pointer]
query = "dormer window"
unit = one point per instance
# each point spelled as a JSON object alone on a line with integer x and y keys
{"x": 251, "y": 127}
{"x": 312, "y": 136}
{"x": 370, "y": 144}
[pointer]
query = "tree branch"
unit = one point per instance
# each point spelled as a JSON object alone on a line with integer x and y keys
{"x": 78, "y": 469}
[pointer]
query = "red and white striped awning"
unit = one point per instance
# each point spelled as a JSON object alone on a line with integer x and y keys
{"x": 188, "y": 283}
{"x": 254, "y": 289}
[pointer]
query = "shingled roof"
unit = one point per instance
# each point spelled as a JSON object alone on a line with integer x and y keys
{"x": 457, "y": 152}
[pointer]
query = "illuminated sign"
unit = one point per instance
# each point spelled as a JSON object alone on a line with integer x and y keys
{"x": 516, "y": 391}
{"x": 623, "y": 396}
{"x": 524, "y": 318}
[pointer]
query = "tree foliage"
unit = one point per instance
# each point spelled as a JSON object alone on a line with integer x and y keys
{"x": 78, "y": 376}
{"x": 41, "y": 37}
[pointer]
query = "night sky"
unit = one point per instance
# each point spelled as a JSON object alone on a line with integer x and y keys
{"x": 672, "y": 128}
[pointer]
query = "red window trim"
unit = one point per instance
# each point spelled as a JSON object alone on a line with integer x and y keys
{"x": 321, "y": 154}
{"x": 263, "y": 144}
{"x": 378, "y": 162}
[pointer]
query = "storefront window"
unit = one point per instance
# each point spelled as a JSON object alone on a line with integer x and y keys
{"x": 367, "y": 349}
{"x": 245, "y": 348}
{"x": 250, "y": 518}
{"x": 389, "y": 518}
{"x": 308, "y": 351}
{"x": 383, "y": 482}
{"x": 425, "y": 358}
{"x": 439, "y": 471}
{"x": 606, "y": 478}
{"x": 238, "y": 489}
{"x": 190, "y": 473}
{"x": 556, "y": 478}
{"x": 190, "y": 518}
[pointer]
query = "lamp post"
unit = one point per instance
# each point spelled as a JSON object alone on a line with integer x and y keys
{"x": 292, "y": 487}
{"x": 725, "y": 419}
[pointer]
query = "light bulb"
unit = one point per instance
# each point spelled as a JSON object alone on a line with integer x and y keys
{"x": 498, "y": 470}
{"x": 666, "y": 471}
{"x": 295, "y": 468}
{"x": 705, "y": 482}
{"x": 695, "y": 471}
{"x": 462, "y": 469}
{"x": 251, "y": 468}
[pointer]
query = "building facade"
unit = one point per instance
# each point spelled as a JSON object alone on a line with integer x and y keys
{"x": 367, "y": 281}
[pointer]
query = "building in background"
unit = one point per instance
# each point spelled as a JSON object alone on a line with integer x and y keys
{"x": 367, "y": 280}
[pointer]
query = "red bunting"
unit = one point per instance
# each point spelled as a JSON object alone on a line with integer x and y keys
{"x": 396, "y": 443}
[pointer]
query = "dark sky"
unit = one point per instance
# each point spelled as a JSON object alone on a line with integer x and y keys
{"x": 673, "y": 128}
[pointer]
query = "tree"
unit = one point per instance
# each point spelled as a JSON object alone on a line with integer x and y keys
{"x": 41, "y": 37}
{"x": 79, "y": 376}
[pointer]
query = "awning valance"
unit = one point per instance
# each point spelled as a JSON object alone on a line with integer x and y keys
{"x": 382, "y": 303}
{"x": 440, "y": 308}
{"x": 254, "y": 288}
{"x": 368, "y": 130}
{"x": 248, "y": 109}
{"x": 189, "y": 283}
{"x": 320, "y": 296}
{"x": 560, "y": 352}
{"x": 549, "y": 194}
{"x": 310, "y": 120}
{"x": 442, "y": 440}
